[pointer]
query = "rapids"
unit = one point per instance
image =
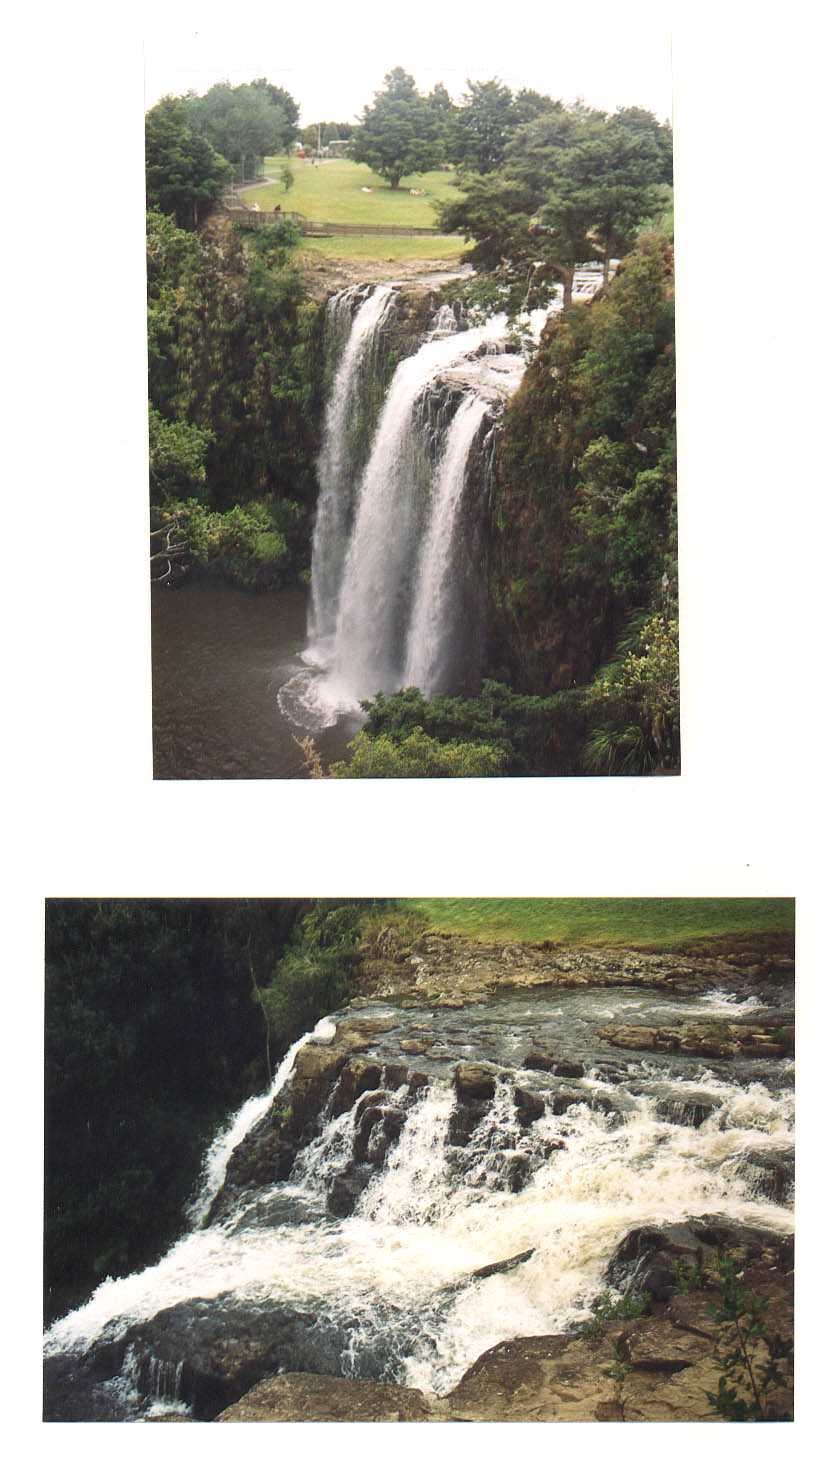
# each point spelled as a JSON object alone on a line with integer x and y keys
{"x": 387, "y": 1291}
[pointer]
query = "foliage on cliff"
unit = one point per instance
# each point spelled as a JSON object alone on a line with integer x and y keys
{"x": 583, "y": 537}
{"x": 234, "y": 394}
{"x": 161, "y": 1017}
{"x": 152, "y": 1034}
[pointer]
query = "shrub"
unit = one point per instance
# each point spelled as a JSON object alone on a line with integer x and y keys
{"x": 418, "y": 756}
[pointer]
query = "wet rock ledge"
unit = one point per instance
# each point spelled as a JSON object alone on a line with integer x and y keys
{"x": 446, "y": 971}
{"x": 669, "y": 1353}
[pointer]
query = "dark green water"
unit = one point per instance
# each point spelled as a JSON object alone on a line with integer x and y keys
{"x": 220, "y": 657}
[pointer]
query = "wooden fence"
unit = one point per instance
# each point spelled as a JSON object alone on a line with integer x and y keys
{"x": 254, "y": 219}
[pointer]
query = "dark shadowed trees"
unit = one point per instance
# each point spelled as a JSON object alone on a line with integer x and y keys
{"x": 185, "y": 174}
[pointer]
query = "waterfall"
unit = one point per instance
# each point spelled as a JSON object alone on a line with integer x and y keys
{"x": 337, "y": 463}
{"x": 244, "y": 1120}
{"x": 388, "y": 604}
{"x": 396, "y": 489}
{"x": 390, "y": 1291}
{"x": 429, "y": 646}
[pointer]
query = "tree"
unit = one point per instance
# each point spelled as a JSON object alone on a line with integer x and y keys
{"x": 528, "y": 105}
{"x": 326, "y": 131}
{"x": 185, "y": 175}
{"x": 244, "y": 123}
{"x": 400, "y": 134}
{"x": 482, "y": 126}
{"x": 637, "y": 120}
{"x": 502, "y": 211}
{"x": 613, "y": 175}
{"x": 128, "y": 1110}
{"x": 283, "y": 100}
{"x": 573, "y": 184}
{"x": 177, "y": 458}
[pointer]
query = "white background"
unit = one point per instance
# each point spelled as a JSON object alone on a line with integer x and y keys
{"x": 746, "y": 817}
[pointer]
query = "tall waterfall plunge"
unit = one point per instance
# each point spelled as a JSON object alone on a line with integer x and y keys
{"x": 394, "y": 583}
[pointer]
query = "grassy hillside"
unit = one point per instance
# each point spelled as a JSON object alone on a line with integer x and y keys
{"x": 334, "y": 191}
{"x": 635, "y": 921}
{"x": 442, "y": 248}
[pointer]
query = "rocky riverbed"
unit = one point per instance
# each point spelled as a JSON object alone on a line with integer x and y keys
{"x": 437, "y": 1214}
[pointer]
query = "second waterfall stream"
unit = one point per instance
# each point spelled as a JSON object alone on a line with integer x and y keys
{"x": 396, "y": 576}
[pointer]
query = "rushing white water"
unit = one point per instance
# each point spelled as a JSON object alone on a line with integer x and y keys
{"x": 376, "y": 595}
{"x": 387, "y": 605}
{"x": 229, "y": 1136}
{"x": 336, "y": 465}
{"x": 428, "y": 636}
{"x": 396, "y": 1273}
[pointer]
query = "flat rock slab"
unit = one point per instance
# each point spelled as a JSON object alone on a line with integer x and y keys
{"x": 449, "y": 971}
{"x": 304, "y": 1398}
{"x": 720, "y": 1040}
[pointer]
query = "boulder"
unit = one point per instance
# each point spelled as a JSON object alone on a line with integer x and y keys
{"x": 650, "y": 1258}
{"x": 358, "y": 1075}
{"x": 687, "y": 1108}
{"x": 225, "y": 1346}
{"x": 538, "y": 1061}
{"x": 464, "y": 1118}
{"x": 395, "y": 1075}
{"x": 345, "y": 1189}
{"x": 570, "y": 1069}
{"x": 771, "y": 1173}
{"x": 474, "y": 1082}
{"x": 306, "y": 1398}
{"x": 529, "y": 1106}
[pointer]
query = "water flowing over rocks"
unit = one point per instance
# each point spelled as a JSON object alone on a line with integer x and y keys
{"x": 443, "y": 1180}
{"x": 669, "y": 1352}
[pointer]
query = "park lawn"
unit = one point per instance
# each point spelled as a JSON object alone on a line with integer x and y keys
{"x": 427, "y": 248}
{"x": 333, "y": 192}
{"x": 638, "y": 921}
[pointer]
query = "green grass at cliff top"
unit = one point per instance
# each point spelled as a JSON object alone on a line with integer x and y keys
{"x": 334, "y": 191}
{"x": 638, "y": 921}
{"x": 441, "y": 248}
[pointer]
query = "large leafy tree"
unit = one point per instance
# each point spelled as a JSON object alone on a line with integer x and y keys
{"x": 482, "y": 126}
{"x": 501, "y": 211}
{"x": 245, "y": 123}
{"x": 185, "y": 174}
{"x": 284, "y": 100}
{"x": 400, "y": 133}
{"x": 574, "y": 184}
{"x": 613, "y": 175}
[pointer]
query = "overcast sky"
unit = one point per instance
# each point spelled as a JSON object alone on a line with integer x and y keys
{"x": 332, "y": 58}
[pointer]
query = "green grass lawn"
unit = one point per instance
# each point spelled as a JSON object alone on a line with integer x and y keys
{"x": 634, "y": 921}
{"x": 386, "y": 247}
{"x": 333, "y": 191}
